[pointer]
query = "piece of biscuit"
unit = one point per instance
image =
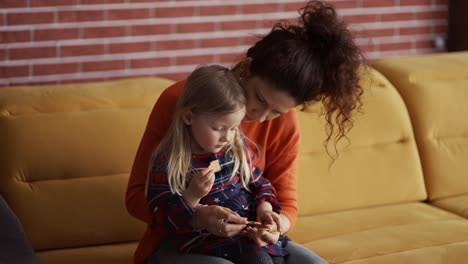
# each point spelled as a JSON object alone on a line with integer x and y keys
{"x": 214, "y": 166}
{"x": 258, "y": 225}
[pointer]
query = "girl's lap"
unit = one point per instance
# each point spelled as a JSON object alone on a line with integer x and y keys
{"x": 168, "y": 254}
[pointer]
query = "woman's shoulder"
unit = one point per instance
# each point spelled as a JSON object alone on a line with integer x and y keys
{"x": 172, "y": 93}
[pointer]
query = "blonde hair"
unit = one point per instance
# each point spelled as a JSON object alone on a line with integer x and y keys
{"x": 208, "y": 90}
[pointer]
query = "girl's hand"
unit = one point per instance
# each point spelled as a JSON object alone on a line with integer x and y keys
{"x": 263, "y": 237}
{"x": 265, "y": 215}
{"x": 200, "y": 185}
{"x": 218, "y": 220}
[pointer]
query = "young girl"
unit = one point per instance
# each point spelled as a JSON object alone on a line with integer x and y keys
{"x": 205, "y": 129}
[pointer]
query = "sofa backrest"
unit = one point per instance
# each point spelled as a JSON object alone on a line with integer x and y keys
{"x": 65, "y": 156}
{"x": 435, "y": 90}
{"x": 378, "y": 165}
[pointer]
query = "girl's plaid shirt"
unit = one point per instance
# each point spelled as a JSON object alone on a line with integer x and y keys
{"x": 172, "y": 216}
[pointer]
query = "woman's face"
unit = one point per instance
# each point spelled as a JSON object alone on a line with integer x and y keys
{"x": 264, "y": 101}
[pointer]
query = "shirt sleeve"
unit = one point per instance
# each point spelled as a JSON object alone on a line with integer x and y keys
{"x": 261, "y": 188}
{"x": 171, "y": 208}
{"x": 263, "y": 191}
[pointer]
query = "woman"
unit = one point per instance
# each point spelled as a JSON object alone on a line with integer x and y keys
{"x": 293, "y": 65}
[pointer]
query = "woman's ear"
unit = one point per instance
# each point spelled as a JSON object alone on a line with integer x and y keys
{"x": 187, "y": 117}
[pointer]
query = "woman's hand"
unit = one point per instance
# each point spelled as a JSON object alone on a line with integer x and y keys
{"x": 218, "y": 220}
{"x": 199, "y": 186}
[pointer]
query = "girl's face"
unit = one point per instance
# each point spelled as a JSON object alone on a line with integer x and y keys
{"x": 213, "y": 132}
{"x": 264, "y": 101}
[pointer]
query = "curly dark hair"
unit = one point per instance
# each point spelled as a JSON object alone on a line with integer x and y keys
{"x": 314, "y": 60}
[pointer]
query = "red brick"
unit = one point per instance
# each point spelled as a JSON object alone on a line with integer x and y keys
{"x": 351, "y": 19}
{"x": 48, "y": 69}
{"x": 105, "y": 32}
{"x": 151, "y": 29}
{"x": 270, "y": 23}
{"x": 218, "y": 10}
{"x": 3, "y": 54}
{"x": 195, "y": 27}
{"x": 249, "y": 40}
{"x": 342, "y": 4}
{"x": 415, "y": 2}
{"x": 424, "y": 44}
{"x": 79, "y": 16}
{"x": 56, "y": 34}
{"x": 84, "y": 2}
{"x": 82, "y": 50}
{"x": 14, "y": 71}
{"x": 103, "y": 65}
{"x": 144, "y": 1}
{"x": 221, "y": 42}
{"x": 122, "y": 14}
{"x": 369, "y": 33}
{"x": 395, "y": 46}
{"x": 432, "y": 15}
{"x": 237, "y": 25}
{"x": 150, "y": 63}
{"x": 36, "y": 3}
{"x": 32, "y": 53}
{"x": 129, "y": 47}
{"x": 415, "y": 30}
{"x": 440, "y": 29}
{"x": 30, "y": 18}
{"x": 177, "y": 76}
{"x": 231, "y": 58}
{"x": 200, "y": 59}
{"x": 15, "y": 36}
{"x": 441, "y": 2}
{"x": 175, "y": 44}
{"x": 397, "y": 17}
{"x": 174, "y": 11}
{"x": 378, "y": 3}
{"x": 2, "y": 20}
{"x": 260, "y": 8}
{"x": 368, "y": 47}
{"x": 13, "y": 3}
{"x": 295, "y": 6}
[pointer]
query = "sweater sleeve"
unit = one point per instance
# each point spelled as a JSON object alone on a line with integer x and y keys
{"x": 158, "y": 123}
{"x": 171, "y": 208}
{"x": 282, "y": 153}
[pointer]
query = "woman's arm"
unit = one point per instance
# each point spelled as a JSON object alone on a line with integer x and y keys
{"x": 158, "y": 123}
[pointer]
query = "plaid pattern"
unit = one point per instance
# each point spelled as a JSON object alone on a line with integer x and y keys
{"x": 172, "y": 215}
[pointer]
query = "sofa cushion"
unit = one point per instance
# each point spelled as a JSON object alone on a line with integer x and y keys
{"x": 435, "y": 89}
{"x": 378, "y": 165}
{"x": 457, "y": 204}
{"x": 66, "y": 155}
{"x": 403, "y": 233}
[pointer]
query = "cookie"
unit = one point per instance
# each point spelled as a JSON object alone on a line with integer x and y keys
{"x": 214, "y": 166}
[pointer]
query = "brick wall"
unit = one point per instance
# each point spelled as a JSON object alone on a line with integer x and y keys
{"x": 60, "y": 41}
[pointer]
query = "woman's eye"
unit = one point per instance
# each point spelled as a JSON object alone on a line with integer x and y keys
{"x": 260, "y": 98}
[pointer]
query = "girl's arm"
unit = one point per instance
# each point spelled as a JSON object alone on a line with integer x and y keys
{"x": 174, "y": 211}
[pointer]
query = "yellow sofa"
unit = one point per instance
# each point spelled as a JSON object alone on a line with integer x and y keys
{"x": 398, "y": 193}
